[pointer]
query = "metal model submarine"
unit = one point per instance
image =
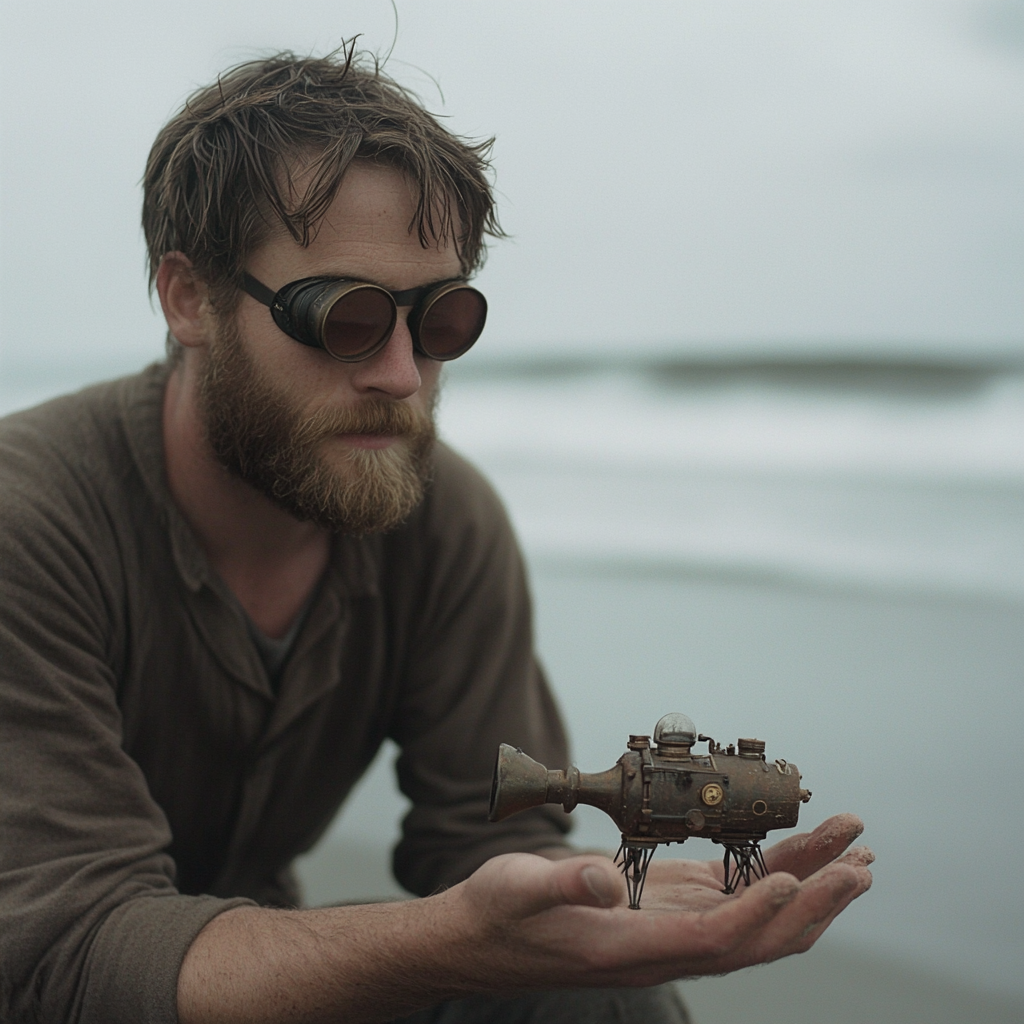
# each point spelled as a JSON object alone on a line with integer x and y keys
{"x": 666, "y": 793}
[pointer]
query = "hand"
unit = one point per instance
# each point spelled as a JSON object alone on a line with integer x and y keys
{"x": 534, "y": 923}
{"x": 520, "y": 922}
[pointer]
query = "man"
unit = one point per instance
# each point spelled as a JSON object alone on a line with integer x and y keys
{"x": 228, "y": 579}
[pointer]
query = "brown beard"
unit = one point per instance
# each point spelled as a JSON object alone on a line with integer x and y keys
{"x": 261, "y": 437}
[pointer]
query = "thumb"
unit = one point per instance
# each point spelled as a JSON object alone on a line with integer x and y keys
{"x": 518, "y": 885}
{"x": 588, "y": 882}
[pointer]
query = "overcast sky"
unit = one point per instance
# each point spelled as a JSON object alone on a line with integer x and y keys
{"x": 683, "y": 175}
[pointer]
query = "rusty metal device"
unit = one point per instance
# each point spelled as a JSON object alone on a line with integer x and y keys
{"x": 666, "y": 793}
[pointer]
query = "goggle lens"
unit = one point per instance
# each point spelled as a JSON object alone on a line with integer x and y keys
{"x": 452, "y": 323}
{"x": 359, "y": 323}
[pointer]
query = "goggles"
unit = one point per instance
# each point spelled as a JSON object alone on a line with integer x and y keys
{"x": 352, "y": 320}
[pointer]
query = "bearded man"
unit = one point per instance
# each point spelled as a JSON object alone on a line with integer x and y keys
{"x": 227, "y": 579}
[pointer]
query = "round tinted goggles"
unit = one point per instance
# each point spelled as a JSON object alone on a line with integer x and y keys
{"x": 352, "y": 320}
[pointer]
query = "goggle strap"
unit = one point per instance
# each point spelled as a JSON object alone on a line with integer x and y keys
{"x": 259, "y": 291}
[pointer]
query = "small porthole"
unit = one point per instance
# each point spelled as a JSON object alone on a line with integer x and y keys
{"x": 760, "y": 807}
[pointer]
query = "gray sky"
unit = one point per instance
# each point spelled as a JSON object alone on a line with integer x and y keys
{"x": 686, "y": 176}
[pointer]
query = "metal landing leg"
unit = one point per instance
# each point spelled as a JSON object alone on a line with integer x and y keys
{"x": 747, "y": 863}
{"x": 635, "y": 859}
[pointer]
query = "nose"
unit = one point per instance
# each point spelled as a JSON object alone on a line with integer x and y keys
{"x": 392, "y": 371}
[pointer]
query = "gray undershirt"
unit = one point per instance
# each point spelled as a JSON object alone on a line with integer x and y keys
{"x": 274, "y": 651}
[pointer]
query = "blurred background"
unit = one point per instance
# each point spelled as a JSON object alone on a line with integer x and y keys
{"x": 752, "y": 388}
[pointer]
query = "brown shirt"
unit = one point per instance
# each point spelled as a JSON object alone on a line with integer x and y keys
{"x": 150, "y": 778}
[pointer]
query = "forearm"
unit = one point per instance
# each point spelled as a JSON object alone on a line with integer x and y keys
{"x": 362, "y": 963}
{"x": 375, "y": 962}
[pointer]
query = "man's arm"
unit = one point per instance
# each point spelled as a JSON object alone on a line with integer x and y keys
{"x": 92, "y": 929}
{"x": 468, "y": 681}
{"x": 520, "y": 922}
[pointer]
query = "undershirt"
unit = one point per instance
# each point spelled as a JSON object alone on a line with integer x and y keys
{"x": 274, "y": 651}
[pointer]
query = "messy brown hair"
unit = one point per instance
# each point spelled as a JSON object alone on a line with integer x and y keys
{"x": 222, "y": 173}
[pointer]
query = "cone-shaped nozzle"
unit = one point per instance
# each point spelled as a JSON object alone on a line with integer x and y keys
{"x": 519, "y": 783}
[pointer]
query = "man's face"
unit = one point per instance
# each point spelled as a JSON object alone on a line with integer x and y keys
{"x": 346, "y": 445}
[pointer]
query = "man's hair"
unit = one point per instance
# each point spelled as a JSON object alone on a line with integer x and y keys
{"x": 269, "y": 143}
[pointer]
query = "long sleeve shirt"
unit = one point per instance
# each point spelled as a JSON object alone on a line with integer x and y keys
{"x": 150, "y": 775}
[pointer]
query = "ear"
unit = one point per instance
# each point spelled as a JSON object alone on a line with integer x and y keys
{"x": 184, "y": 300}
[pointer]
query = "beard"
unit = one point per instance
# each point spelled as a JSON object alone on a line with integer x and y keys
{"x": 262, "y": 437}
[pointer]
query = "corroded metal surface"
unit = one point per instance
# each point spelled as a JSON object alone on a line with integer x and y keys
{"x": 664, "y": 792}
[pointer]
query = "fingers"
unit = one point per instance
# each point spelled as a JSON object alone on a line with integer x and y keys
{"x": 803, "y": 854}
{"x": 812, "y": 932}
{"x": 798, "y": 925}
{"x": 829, "y": 893}
{"x": 858, "y": 857}
{"x": 733, "y": 923}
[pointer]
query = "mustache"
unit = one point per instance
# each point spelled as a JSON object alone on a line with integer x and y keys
{"x": 376, "y": 417}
